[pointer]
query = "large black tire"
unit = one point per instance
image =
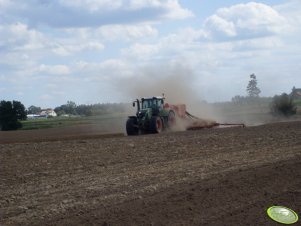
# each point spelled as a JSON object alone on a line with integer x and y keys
{"x": 131, "y": 126}
{"x": 156, "y": 124}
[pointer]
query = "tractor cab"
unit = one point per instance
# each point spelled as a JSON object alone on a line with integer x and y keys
{"x": 153, "y": 104}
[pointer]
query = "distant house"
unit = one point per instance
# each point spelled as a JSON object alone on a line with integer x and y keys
{"x": 47, "y": 112}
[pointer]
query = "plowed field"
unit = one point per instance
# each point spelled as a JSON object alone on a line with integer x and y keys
{"x": 226, "y": 176}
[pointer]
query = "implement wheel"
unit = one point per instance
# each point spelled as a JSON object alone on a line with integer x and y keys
{"x": 156, "y": 124}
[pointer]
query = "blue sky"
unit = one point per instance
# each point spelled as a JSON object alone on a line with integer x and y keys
{"x": 95, "y": 51}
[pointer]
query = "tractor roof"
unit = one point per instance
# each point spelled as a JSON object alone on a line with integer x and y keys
{"x": 148, "y": 98}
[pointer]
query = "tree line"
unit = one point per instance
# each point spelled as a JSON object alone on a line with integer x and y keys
{"x": 70, "y": 108}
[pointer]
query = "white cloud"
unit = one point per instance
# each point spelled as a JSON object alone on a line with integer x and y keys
{"x": 93, "y": 13}
{"x": 185, "y": 35}
{"x": 51, "y": 85}
{"x": 107, "y": 70}
{"x": 4, "y": 3}
{"x": 170, "y": 9}
{"x": 58, "y": 92}
{"x": 20, "y": 93}
{"x": 64, "y": 49}
{"x": 247, "y": 21}
{"x": 137, "y": 4}
{"x": 125, "y": 32}
{"x": 141, "y": 51}
{"x": 2, "y": 90}
{"x": 92, "y": 5}
{"x": 221, "y": 25}
{"x": 263, "y": 43}
{"x": 291, "y": 10}
{"x": 54, "y": 69}
{"x": 21, "y": 47}
{"x": 18, "y": 36}
{"x": 173, "y": 45}
{"x": 112, "y": 64}
{"x": 109, "y": 64}
{"x": 175, "y": 11}
{"x": 46, "y": 97}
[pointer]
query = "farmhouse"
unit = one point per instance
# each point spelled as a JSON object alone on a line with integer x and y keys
{"x": 49, "y": 112}
{"x": 45, "y": 113}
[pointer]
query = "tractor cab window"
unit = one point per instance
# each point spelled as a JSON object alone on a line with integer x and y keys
{"x": 159, "y": 103}
{"x": 150, "y": 103}
{"x": 147, "y": 104}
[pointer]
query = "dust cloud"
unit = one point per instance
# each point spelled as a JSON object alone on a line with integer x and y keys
{"x": 175, "y": 83}
{"x": 178, "y": 83}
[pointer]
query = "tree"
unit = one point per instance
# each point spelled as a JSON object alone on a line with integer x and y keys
{"x": 19, "y": 110}
{"x": 59, "y": 111}
{"x": 239, "y": 100}
{"x": 10, "y": 114}
{"x": 252, "y": 89}
{"x": 295, "y": 94}
{"x": 69, "y": 108}
{"x": 85, "y": 110}
{"x": 34, "y": 110}
{"x": 283, "y": 105}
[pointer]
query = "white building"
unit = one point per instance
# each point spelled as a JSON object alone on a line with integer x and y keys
{"x": 48, "y": 112}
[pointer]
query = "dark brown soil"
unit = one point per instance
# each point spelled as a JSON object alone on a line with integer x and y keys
{"x": 224, "y": 176}
{"x": 84, "y": 131}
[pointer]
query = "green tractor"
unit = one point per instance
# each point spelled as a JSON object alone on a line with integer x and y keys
{"x": 152, "y": 116}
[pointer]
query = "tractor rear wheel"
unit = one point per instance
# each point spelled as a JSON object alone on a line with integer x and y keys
{"x": 156, "y": 124}
{"x": 132, "y": 126}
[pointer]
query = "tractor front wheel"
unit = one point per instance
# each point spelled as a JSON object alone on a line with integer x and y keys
{"x": 132, "y": 127}
{"x": 156, "y": 125}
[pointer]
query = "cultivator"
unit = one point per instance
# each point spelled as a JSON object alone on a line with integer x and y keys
{"x": 197, "y": 123}
{"x": 155, "y": 116}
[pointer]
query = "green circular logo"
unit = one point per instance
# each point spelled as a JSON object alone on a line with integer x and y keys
{"x": 282, "y": 215}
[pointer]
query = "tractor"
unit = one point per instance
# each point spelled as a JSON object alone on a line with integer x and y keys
{"x": 152, "y": 116}
{"x": 155, "y": 116}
